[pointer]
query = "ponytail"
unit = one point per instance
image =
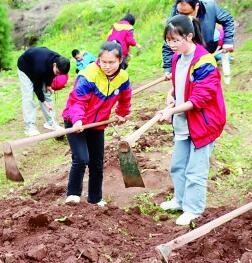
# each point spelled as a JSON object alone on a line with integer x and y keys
{"x": 197, "y": 38}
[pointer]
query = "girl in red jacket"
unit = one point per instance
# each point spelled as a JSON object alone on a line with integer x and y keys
{"x": 123, "y": 33}
{"x": 198, "y": 117}
{"x": 96, "y": 90}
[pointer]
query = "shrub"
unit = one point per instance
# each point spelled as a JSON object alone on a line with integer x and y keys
{"x": 5, "y": 37}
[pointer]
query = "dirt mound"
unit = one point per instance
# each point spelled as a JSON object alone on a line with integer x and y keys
{"x": 28, "y": 25}
{"x": 43, "y": 230}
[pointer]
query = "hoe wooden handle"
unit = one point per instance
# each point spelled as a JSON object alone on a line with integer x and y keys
{"x": 54, "y": 134}
{"x": 152, "y": 83}
{"x": 132, "y": 138}
{"x": 165, "y": 249}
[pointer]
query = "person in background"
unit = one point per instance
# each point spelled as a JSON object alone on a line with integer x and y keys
{"x": 198, "y": 117}
{"x": 37, "y": 68}
{"x": 96, "y": 90}
{"x": 123, "y": 33}
{"x": 82, "y": 59}
{"x": 208, "y": 13}
{"x": 59, "y": 82}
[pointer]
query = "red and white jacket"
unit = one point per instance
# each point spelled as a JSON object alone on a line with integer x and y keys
{"x": 207, "y": 119}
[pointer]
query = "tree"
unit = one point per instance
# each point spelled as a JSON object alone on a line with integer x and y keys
{"x": 5, "y": 37}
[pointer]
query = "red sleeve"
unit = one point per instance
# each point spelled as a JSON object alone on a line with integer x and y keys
{"x": 130, "y": 38}
{"x": 204, "y": 90}
{"x": 124, "y": 102}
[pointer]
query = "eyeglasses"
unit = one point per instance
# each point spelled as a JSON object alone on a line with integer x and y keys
{"x": 175, "y": 41}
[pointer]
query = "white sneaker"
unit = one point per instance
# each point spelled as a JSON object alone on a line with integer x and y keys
{"x": 102, "y": 203}
{"x": 72, "y": 199}
{"x": 171, "y": 205}
{"x": 32, "y": 131}
{"x": 54, "y": 126}
{"x": 186, "y": 218}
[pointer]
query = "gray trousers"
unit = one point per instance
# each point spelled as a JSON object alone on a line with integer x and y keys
{"x": 28, "y": 105}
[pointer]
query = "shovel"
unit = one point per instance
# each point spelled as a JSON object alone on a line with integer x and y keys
{"x": 128, "y": 161}
{"x": 165, "y": 249}
{"x": 12, "y": 171}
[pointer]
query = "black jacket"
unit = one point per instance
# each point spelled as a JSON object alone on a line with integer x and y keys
{"x": 37, "y": 64}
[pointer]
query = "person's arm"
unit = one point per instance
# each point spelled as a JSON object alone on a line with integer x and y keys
{"x": 205, "y": 83}
{"x": 170, "y": 100}
{"x": 80, "y": 97}
{"x": 226, "y": 20}
{"x": 80, "y": 64}
{"x": 38, "y": 90}
{"x": 167, "y": 113}
{"x": 167, "y": 54}
{"x": 124, "y": 102}
{"x": 130, "y": 40}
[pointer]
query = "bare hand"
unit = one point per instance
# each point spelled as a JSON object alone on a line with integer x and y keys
{"x": 166, "y": 114}
{"x": 121, "y": 119}
{"x": 170, "y": 101}
{"x": 227, "y": 48}
{"x": 139, "y": 46}
{"x": 78, "y": 124}
{"x": 168, "y": 76}
{"x": 49, "y": 89}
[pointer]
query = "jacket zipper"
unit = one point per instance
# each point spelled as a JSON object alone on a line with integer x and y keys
{"x": 205, "y": 117}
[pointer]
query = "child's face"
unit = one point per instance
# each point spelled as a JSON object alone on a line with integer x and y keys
{"x": 179, "y": 44}
{"x": 109, "y": 62}
{"x": 78, "y": 56}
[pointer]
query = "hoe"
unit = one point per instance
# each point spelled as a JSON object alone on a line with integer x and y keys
{"x": 12, "y": 171}
{"x": 165, "y": 249}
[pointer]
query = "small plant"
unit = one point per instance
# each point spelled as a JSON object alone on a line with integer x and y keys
{"x": 146, "y": 206}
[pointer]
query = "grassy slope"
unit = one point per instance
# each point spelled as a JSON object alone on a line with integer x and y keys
{"x": 86, "y": 30}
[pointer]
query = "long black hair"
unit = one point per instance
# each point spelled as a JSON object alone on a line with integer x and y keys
{"x": 183, "y": 25}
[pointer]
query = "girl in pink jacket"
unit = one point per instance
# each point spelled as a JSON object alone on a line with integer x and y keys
{"x": 123, "y": 33}
{"x": 198, "y": 116}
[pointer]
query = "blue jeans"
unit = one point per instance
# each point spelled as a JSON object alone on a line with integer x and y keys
{"x": 87, "y": 150}
{"x": 189, "y": 172}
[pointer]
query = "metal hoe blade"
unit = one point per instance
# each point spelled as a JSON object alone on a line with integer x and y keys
{"x": 129, "y": 166}
{"x": 12, "y": 171}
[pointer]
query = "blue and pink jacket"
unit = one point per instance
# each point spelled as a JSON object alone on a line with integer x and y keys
{"x": 123, "y": 33}
{"x": 94, "y": 95}
{"x": 207, "y": 119}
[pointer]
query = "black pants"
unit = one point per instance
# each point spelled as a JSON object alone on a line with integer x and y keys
{"x": 87, "y": 149}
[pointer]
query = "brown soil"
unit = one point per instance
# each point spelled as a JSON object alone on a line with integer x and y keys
{"x": 35, "y": 230}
